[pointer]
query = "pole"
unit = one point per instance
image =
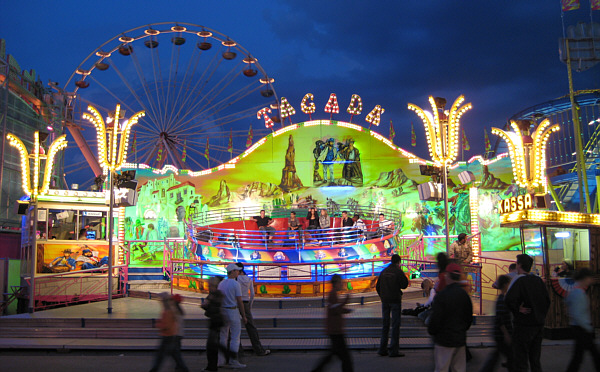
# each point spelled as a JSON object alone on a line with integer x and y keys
{"x": 581, "y": 170}
{"x": 444, "y": 128}
{"x": 110, "y": 239}
{"x": 32, "y": 240}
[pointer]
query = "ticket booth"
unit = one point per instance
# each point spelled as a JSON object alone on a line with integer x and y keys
{"x": 64, "y": 248}
{"x": 554, "y": 238}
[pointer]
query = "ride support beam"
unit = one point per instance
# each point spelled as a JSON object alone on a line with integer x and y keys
{"x": 581, "y": 171}
{"x": 85, "y": 149}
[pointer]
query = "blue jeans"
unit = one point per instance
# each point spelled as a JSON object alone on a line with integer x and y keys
{"x": 396, "y": 311}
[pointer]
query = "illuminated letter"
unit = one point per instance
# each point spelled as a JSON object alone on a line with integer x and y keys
{"x": 286, "y": 110}
{"x": 355, "y": 107}
{"x": 374, "y": 117}
{"x": 332, "y": 106}
{"x": 263, "y": 112}
{"x": 506, "y": 205}
{"x": 520, "y": 202}
{"x": 513, "y": 204}
{"x": 308, "y": 108}
{"x": 528, "y": 201}
{"x": 500, "y": 210}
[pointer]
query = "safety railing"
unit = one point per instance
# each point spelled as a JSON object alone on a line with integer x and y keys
{"x": 318, "y": 272}
{"x": 287, "y": 239}
{"x": 213, "y": 216}
{"x": 62, "y": 289}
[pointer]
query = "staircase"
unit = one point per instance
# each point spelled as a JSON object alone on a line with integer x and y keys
{"x": 147, "y": 278}
{"x": 280, "y": 329}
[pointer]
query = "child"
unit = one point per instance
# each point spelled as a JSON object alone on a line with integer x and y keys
{"x": 502, "y": 329}
{"x": 212, "y": 307}
{"x": 171, "y": 331}
{"x": 335, "y": 327}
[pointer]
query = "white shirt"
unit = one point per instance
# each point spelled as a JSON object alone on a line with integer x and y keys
{"x": 385, "y": 224}
{"x": 230, "y": 289}
{"x": 246, "y": 286}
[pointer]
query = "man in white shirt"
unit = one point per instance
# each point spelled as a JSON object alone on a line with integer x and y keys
{"x": 386, "y": 227}
{"x": 248, "y": 298}
{"x": 232, "y": 308}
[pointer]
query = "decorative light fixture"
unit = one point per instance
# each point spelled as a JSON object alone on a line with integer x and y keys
{"x": 528, "y": 154}
{"x": 112, "y": 152}
{"x": 32, "y": 187}
{"x": 310, "y": 107}
{"x": 374, "y": 117}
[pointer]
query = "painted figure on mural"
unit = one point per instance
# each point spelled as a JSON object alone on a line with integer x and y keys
{"x": 63, "y": 263}
{"x": 352, "y": 171}
{"x": 255, "y": 255}
{"x": 279, "y": 256}
{"x": 89, "y": 259}
{"x": 327, "y": 156}
{"x": 316, "y": 152}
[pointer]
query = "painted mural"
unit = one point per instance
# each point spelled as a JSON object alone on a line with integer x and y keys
{"x": 320, "y": 162}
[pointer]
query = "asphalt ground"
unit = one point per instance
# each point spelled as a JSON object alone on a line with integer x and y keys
{"x": 554, "y": 358}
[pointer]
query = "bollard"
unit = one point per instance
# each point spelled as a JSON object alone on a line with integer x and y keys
{"x": 274, "y": 322}
{"x": 280, "y": 304}
{"x": 82, "y": 322}
{"x": 362, "y": 300}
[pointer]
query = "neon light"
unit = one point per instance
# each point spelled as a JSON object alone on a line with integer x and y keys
{"x": 263, "y": 112}
{"x": 285, "y": 129}
{"x": 474, "y": 207}
{"x": 332, "y": 106}
{"x": 374, "y": 117}
{"x": 286, "y": 110}
{"x": 356, "y": 105}
{"x": 528, "y": 158}
{"x": 308, "y": 108}
{"x": 351, "y": 126}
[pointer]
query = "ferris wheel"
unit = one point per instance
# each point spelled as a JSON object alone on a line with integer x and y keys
{"x": 200, "y": 89}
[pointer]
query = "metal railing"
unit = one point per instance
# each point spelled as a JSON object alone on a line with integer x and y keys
{"x": 286, "y": 239}
{"x": 204, "y": 218}
{"x": 77, "y": 286}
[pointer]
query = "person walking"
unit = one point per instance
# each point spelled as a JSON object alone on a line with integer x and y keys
{"x": 247, "y": 287}
{"x": 232, "y": 309}
{"x": 451, "y": 317}
{"x": 528, "y": 300}
{"x": 580, "y": 319}
{"x": 502, "y": 329}
{"x": 171, "y": 329}
{"x": 212, "y": 310}
{"x": 389, "y": 287}
{"x": 336, "y": 308}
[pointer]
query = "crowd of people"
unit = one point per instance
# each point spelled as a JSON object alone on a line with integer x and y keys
{"x": 521, "y": 309}
{"x": 319, "y": 229}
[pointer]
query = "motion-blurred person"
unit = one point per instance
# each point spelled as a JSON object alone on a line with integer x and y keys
{"x": 580, "y": 319}
{"x": 385, "y": 227}
{"x": 232, "y": 309}
{"x": 528, "y": 300}
{"x": 502, "y": 329}
{"x": 428, "y": 291}
{"x": 247, "y": 287}
{"x": 389, "y": 287}
{"x": 451, "y": 317}
{"x": 336, "y": 308}
{"x": 171, "y": 332}
{"x": 212, "y": 310}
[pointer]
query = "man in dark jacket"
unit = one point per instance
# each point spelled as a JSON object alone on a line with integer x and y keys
{"x": 451, "y": 317}
{"x": 390, "y": 284}
{"x": 528, "y": 300}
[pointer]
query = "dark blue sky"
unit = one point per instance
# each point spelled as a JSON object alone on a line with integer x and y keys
{"x": 502, "y": 55}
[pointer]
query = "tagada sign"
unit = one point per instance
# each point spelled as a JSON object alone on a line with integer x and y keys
{"x": 515, "y": 204}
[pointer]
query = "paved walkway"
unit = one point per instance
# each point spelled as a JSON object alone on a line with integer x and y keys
{"x": 554, "y": 358}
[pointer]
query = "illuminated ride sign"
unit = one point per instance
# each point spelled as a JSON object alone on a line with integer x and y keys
{"x": 516, "y": 203}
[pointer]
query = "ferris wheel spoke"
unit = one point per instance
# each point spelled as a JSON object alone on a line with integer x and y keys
{"x": 144, "y": 83}
{"x": 193, "y": 61}
{"x": 131, "y": 90}
{"x": 203, "y": 126}
{"x": 197, "y": 163}
{"x": 155, "y": 57}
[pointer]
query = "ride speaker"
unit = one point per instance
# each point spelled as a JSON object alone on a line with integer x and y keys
{"x": 430, "y": 191}
{"x": 21, "y": 207}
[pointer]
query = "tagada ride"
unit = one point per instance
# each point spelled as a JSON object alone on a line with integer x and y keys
{"x": 285, "y": 262}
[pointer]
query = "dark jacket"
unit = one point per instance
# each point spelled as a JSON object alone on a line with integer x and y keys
{"x": 390, "y": 284}
{"x": 212, "y": 309}
{"x": 530, "y": 291}
{"x": 451, "y": 316}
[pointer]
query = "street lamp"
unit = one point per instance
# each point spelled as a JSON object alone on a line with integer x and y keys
{"x": 442, "y": 131}
{"x": 112, "y": 152}
{"x": 32, "y": 187}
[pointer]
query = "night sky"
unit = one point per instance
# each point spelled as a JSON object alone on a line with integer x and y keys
{"x": 502, "y": 55}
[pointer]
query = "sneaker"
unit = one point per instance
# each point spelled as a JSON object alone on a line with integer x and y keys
{"x": 264, "y": 353}
{"x": 235, "y": 364}
{"x": 383, "y": 353}
{"x": 396, "y": 355}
